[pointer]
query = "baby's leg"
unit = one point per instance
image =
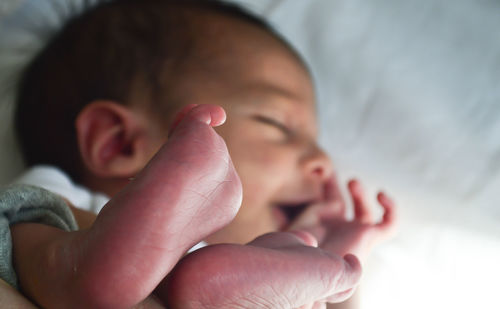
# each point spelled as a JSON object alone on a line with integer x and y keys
{"x": 187, "y": 191}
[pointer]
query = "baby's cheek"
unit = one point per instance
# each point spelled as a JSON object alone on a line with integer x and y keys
{"x": 257, "y": 166}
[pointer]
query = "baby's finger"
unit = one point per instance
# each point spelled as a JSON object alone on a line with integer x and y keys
{"x": 333, "y": 197}
{"x": 362, "y": 210}
{"x": 389, "y": 218}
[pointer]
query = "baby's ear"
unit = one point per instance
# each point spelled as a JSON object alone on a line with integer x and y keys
{"x": 112, "y": 139}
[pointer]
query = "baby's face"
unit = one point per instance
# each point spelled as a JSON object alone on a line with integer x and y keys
{"x": 271, "y": 133}
{"x": 271, "y": 136}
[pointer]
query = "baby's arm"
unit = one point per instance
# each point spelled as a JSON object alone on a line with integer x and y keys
{"x": 229, "y": 276}
{"x": 29, "y": 255}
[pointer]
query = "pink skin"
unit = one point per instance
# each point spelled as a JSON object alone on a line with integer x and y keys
{"x": 326, "y": 221}
{"x": 190, "y": 190}
{"x": 281, "y": 270}
{"x": 186, "y": 192}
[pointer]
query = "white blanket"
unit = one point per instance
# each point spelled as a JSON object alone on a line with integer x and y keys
{"x": 409, "y": 94}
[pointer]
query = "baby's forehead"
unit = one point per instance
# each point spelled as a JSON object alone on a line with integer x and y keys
{"x": 282, "y": 92}
{"x": 233, "y": 57}
{"x": 245, "y": 56}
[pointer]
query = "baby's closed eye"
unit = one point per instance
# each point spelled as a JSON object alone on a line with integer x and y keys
{"x": 274, "y": 128}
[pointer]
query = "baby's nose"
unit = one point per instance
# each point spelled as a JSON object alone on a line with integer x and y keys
{"x": 316, "y": 163}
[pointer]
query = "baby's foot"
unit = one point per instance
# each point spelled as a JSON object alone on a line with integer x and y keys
{"x": 188, "y": 190}
{"x": 276, "y": 270}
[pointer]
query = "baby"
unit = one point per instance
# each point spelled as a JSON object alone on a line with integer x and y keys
{"x": 105, "y": 92}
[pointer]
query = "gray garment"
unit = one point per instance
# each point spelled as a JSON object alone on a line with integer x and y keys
{"x": 23, "y": 203}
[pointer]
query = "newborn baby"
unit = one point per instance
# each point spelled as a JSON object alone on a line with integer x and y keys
{"x": 114, "y": 116}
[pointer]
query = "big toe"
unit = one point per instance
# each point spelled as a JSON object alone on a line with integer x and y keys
{"x": 212, "y": 115}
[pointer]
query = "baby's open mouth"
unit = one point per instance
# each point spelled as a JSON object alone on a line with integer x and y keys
{"x": 287, "y": 213}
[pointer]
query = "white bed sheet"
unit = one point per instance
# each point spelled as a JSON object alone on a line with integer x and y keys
{"x": 409, "y": 100}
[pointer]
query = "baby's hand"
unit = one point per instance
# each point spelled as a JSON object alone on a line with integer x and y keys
{"x": 326, "y": 221}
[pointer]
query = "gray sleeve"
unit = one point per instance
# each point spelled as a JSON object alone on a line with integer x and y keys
{"x": 23, "y": 203}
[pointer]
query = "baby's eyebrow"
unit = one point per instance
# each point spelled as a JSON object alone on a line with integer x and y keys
{"x": 274, "y": 90}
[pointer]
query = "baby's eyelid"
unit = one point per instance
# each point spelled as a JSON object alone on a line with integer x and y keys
{"x": 274, "y": 122}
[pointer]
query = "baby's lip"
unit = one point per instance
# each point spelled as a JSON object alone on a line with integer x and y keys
{"x": 298, "y": 200}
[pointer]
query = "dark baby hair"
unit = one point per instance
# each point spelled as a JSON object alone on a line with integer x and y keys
{"x": 104, "y": 54}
